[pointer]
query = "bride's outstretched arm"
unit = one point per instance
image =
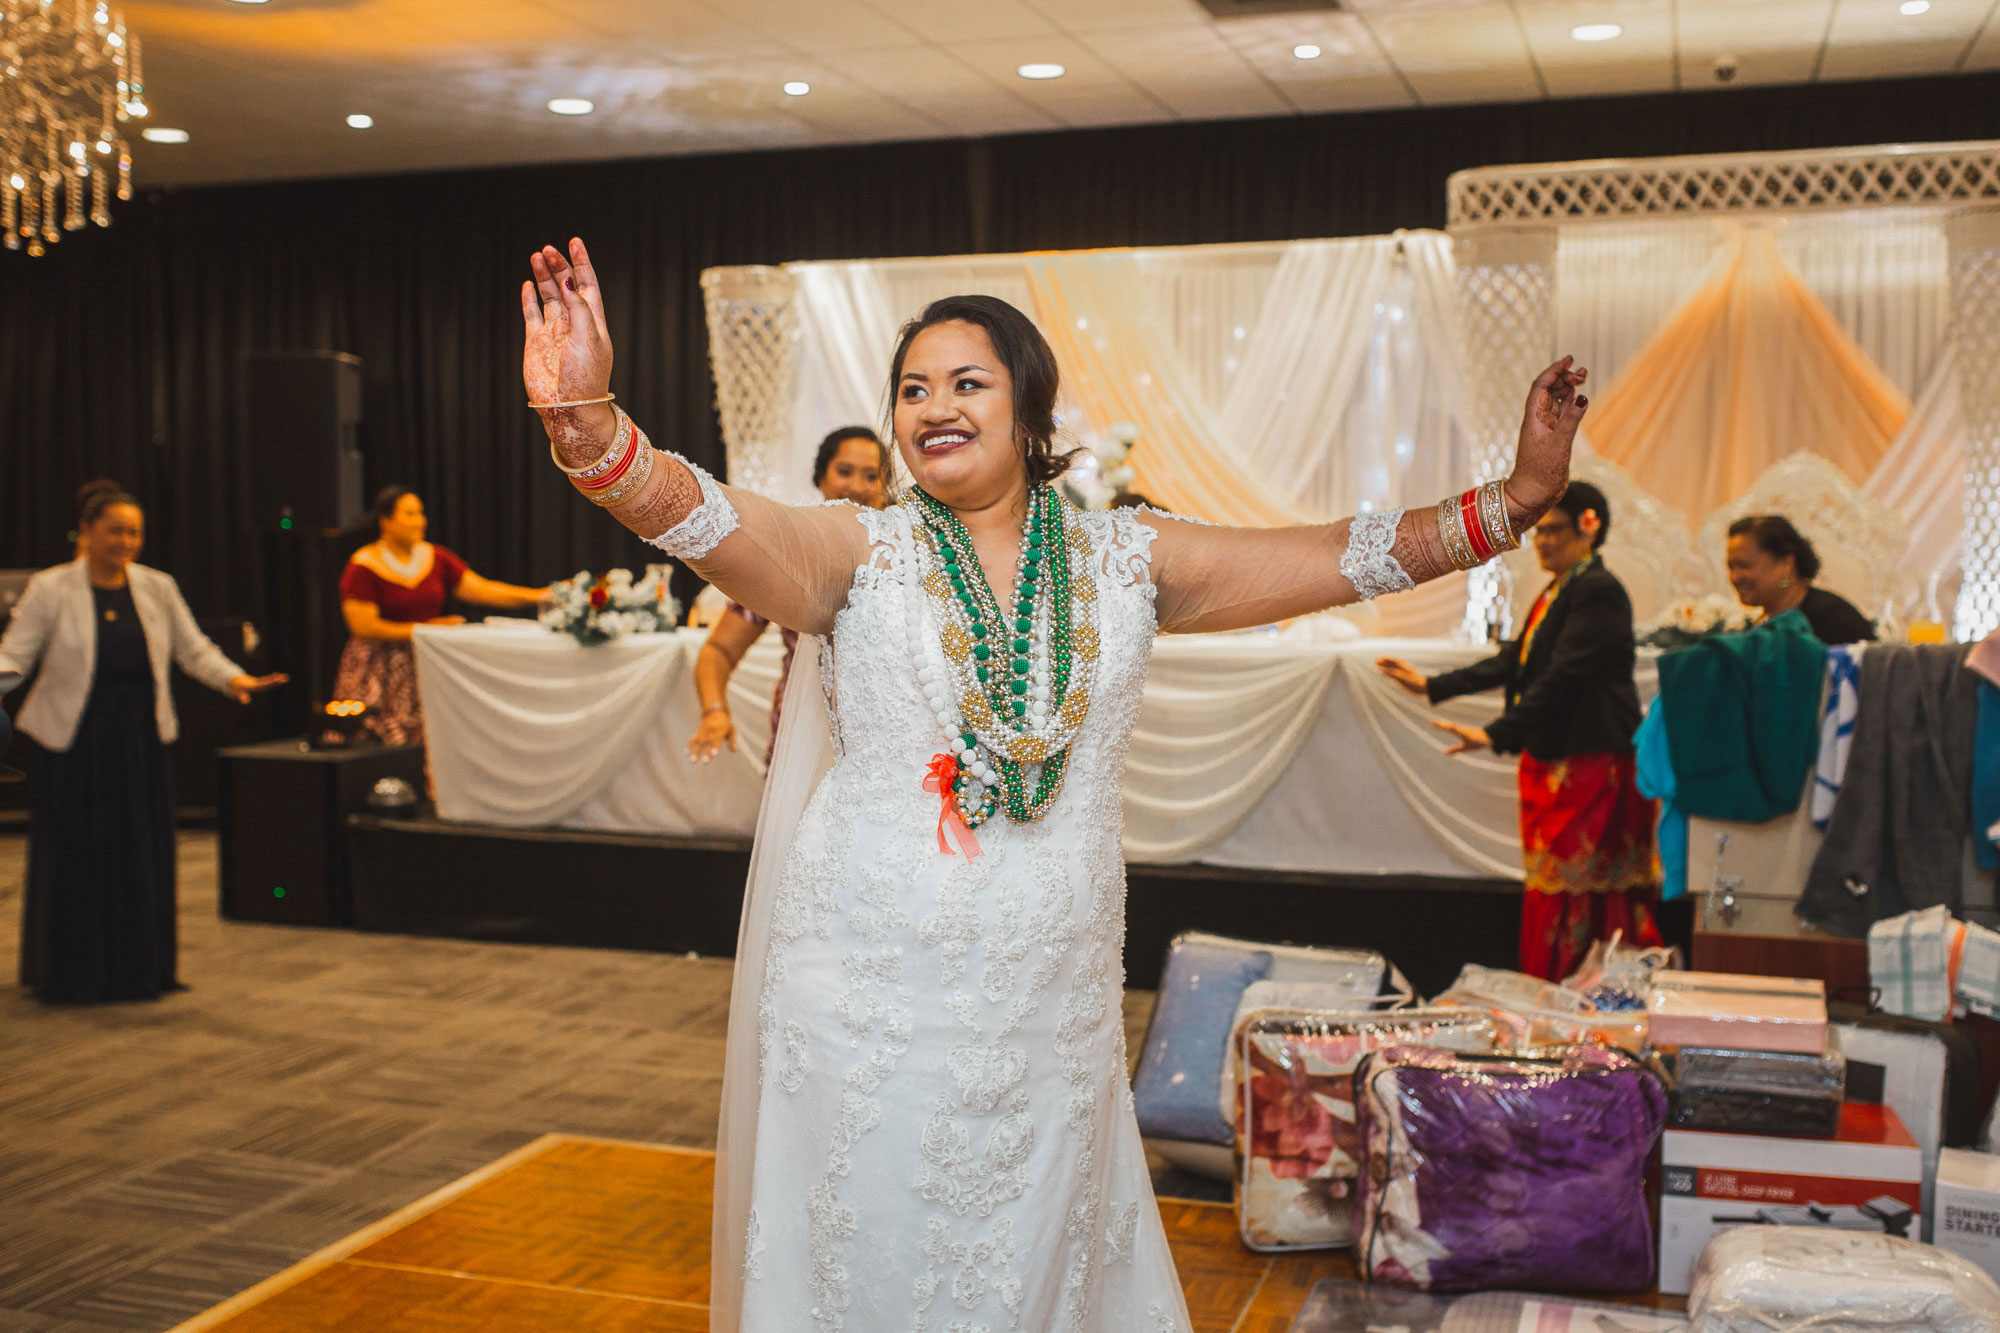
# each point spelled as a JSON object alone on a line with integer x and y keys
{"x": 789, "y": 564}
{"x": 1213, "y": 578}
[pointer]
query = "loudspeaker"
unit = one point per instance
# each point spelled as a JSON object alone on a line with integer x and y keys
{"x": 281, "y": 822}
{"x": 301, "y": 420}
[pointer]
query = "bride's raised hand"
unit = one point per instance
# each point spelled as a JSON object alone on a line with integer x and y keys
{"x": 1548, "y": 432}
{"x": 567, "y": 355}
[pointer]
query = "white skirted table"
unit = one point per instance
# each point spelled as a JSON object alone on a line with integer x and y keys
{"x": 1273, "y": 750}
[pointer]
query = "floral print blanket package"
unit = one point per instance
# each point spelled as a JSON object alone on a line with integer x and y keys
{"x": 1297, "y": 1146}
{"x": 1506, "y": 1171}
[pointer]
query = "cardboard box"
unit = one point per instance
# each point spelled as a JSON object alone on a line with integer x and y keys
{"x": 1868, "y": 1177}
{"x": 1967, "y": 1207}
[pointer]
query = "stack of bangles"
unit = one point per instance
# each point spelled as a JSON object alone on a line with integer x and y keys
{"x": 1474, "y": 526}
{"x": 620, "y": 472}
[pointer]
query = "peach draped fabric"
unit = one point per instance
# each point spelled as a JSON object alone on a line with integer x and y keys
{"x": 1751, "y": 368}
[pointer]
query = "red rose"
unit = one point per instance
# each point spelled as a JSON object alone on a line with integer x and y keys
{"x": 600, "y": 597}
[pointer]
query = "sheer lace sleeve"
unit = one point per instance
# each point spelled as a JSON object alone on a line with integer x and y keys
{"x": 792, "y": 564}
{"x": 1215, "y": 578}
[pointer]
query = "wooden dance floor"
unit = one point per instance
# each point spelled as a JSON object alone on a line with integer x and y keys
{"x": 584, "y": 1233}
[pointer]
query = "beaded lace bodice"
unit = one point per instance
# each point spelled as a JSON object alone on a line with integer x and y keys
{"x": 944, "y": 1138}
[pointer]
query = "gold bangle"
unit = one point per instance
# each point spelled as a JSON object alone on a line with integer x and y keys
{"x": 628, "y": 485}
{"x": 578, "y": 402}
{"x": 605, "y": 461}
{"x": 1500, "y": 534}
{"x": 1451, "y": 530}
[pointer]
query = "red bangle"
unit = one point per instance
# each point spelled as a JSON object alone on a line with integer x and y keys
{"x": 1475, "y": 532}
{"x": 624, "y": 466}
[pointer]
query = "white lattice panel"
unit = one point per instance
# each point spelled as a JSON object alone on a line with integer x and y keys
{"x": 1975, "y": 293}
{"x": 1916, "y": 175}
{"x": 1506, "y": 305}
{"x": 753, "y": 337}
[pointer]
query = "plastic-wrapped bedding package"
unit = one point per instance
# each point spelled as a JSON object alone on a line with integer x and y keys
{"x": 1724, "y": 1011}
{"x": 1760, "y": 1092}
{"x": 1296, "y": 1141}
{"x": 1759, "y": 1279}
{"x": 1534, "y": 1013}
{"x": 1506, "y": 1171}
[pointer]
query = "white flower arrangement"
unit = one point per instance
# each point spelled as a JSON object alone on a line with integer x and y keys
{"x": 597, "y": 610}
{"x": 1095, "y": 479}
{"x": 1693, "y": 618}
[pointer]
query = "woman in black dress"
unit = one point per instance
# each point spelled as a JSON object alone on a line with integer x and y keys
{"x": 98, "y": 916}
{"x": 1772, "y": 567}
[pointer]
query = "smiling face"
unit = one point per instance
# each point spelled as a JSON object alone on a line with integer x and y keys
{"x": 955, "y": 418}
{"x": 855, "y": 473}
{"x": 1760, "y": 578}
{"x": 406, "y": 524}
{"x": 114, "y": 538}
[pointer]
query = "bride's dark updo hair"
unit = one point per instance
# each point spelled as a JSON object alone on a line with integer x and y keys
{"x": 1024, "y": 351}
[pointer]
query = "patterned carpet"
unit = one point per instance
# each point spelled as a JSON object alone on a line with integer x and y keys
{"x": 157, "y": 1158}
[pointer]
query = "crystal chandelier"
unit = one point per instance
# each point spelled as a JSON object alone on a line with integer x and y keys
{"x": 69, "y": 76}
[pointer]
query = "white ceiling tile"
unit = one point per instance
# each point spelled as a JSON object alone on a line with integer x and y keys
{"x": 1190, "y": 68}
{"x": 1457, "y": 52}
{"x": 1773, "y": 42}
{"x": 1104, "y": 15}
{"x": 1349, "y": 74}
{"x": 1872, "y": 40}
{"x": 1091, "y": 92}
{"x": 1985, "y": 53}
{"x": 1639, "y": 60}
{"x": 941, "y": 87}
{"x": 949, "y": 25}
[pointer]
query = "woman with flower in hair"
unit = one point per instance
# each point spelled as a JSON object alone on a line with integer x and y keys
{"x": 1592, "y": 867}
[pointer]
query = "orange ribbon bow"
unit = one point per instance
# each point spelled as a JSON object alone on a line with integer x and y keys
{"x": 938, "y": 778}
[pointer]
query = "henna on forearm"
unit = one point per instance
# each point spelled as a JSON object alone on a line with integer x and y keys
{"x": 669, "y": 495}
{"x": 1419, "y": 549}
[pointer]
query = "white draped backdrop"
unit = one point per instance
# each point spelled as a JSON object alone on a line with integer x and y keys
{"x": 1305, "y": 380}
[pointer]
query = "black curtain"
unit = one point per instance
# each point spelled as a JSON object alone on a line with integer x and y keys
{"x": 119, "y": 350}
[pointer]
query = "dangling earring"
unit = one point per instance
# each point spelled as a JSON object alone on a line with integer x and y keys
{"x": 1785, "y": 582}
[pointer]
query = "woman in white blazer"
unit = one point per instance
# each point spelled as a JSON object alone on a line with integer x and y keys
{"x": 98, "y": 917}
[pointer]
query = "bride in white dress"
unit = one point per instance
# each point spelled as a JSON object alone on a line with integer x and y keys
{"x": 926, "y": 1118}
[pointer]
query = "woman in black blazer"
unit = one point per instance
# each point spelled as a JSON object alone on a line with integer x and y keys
{"x": 1586, "y": 834}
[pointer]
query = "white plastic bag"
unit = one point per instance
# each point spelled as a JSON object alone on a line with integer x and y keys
{"x": 1757, "y": 1279}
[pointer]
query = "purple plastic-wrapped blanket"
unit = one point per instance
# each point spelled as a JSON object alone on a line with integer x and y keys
{"x": 1503, "y": 1171}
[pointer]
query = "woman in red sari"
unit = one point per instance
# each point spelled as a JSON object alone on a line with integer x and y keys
{"x": 389, "y": 587}
{"x": 1591, "y": 863}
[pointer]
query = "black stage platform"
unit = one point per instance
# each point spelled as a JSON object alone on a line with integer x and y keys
{"x": 618, "y": 890}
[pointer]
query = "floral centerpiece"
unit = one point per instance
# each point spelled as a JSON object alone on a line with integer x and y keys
{"x": 1693, "y": 619}
{"x": 596, "y": 610}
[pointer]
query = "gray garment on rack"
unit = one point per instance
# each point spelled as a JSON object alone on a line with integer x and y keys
{"x": 1899, "y": 823}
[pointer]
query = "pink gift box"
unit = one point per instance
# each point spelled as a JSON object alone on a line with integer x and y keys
{"x": 1737, "y": 1013}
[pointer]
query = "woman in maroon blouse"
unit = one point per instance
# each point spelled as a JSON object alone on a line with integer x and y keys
{"x": 389, "y": 587}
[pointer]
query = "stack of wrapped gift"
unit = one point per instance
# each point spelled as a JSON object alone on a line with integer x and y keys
{"x": 1755, "y": 1054}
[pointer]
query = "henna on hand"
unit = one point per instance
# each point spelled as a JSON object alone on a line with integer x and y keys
{"x": 667, "y": 498}
{"x": 580, "y": 434}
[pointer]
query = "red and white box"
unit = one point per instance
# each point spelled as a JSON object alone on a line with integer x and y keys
{"x": 1868, "y": 1177}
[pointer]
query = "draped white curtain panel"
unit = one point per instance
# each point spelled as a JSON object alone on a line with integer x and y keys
{"x": 1327, "y": 370}
{"x": 1249, "y": 750}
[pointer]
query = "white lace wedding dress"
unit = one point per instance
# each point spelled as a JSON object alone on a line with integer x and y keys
{"x": 944, "y": 1138}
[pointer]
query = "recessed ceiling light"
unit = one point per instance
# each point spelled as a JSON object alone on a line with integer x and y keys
{"x": 1041, "y": 69}
{"x": 360, "y": 122}
{"x": 797, "y": 88}
{"x": 1915, "y": 7}
{"x": 572, "y": 106}
{"x": 1595, "y": 32}
{"x": 1306, "y": 51}
{"x": 250, "y": 2}
{"x": 159, "y": 134}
